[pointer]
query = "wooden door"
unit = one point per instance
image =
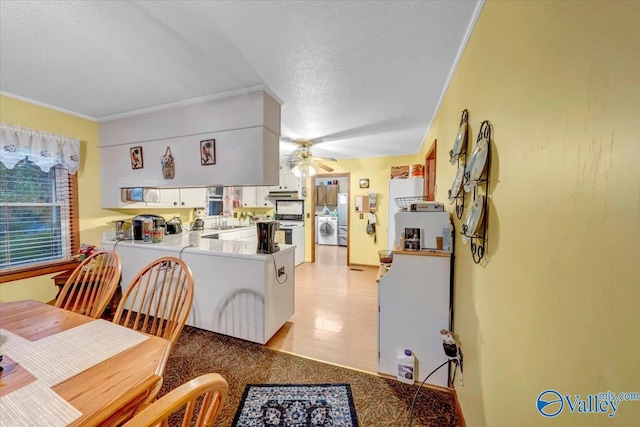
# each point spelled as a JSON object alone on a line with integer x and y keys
{"x": 430, "y": 172}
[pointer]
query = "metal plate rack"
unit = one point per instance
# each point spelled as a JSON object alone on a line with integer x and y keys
{"x": 478, "y": 237}
{"x": 460, "y": 159}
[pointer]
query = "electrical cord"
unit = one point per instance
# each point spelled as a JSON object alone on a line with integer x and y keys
{"x": 182, "y": 250}
{"x": 275, "y": 268}
{"x": 421, "y": 384}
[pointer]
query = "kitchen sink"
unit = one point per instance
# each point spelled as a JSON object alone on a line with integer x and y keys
{"x": 230, "y": 227}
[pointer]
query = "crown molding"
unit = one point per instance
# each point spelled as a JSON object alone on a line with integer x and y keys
{"x": 191, "y": 101}
{"x": 49, "y": 106}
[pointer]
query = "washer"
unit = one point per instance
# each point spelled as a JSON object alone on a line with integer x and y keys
{"x": 327, "y": 230}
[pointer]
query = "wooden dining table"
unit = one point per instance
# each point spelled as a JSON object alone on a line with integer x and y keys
{"x": 101, "y": 393}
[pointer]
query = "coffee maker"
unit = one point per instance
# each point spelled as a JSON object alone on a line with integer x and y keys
{"x": 267, "y": 237}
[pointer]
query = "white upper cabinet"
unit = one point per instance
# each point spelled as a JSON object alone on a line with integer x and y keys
{"x": 262, "y": 198}
{"x": 256, "y": 197}
{"x": 246, "y": 130}
{"x": 181, "y": 198}
{"x": 287, "y": 181}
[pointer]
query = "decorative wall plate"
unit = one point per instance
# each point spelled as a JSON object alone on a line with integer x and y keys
{"x": 476, "y": 164}
{"x": 459, "y": 142}
{"x": 456, "y": 185}
{"x": 474, "y": 218}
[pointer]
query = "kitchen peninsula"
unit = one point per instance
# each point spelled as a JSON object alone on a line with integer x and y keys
{"x": 238, "y": 291}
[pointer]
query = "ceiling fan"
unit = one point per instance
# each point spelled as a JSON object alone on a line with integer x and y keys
{"x": 304, "y": 161}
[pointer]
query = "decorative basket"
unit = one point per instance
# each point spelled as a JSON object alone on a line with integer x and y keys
{"x": 168, "y": 165}
{"x": 386, "y": 257}
{"x": 404, "y": 202}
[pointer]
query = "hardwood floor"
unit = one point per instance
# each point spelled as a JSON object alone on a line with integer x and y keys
{"x": 336, "y": 312}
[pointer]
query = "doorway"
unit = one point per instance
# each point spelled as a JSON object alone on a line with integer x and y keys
{"x": 330, "y": 202}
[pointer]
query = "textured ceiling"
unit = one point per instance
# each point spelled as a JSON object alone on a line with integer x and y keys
{"x": 361, "y": 78}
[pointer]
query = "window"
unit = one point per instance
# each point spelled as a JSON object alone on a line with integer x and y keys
{"x": 215, "y": 201}
{"x": 38, "y": 220}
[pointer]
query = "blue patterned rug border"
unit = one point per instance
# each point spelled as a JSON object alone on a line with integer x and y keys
{"x": 248, "y": 387}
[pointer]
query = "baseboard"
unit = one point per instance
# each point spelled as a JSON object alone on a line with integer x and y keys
{"x": 362, "y": 265}
{"x": 458, "y": 409}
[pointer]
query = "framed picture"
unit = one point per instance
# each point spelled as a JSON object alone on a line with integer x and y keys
{"x": 411, "y": 239}
{"x": 208, "y": 152}
{"x": 136, "y": 157}
{"x": 364, "y": 183}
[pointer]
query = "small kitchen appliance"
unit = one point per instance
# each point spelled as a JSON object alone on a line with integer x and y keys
{"x": 174, "y": 225}
{"x": 267, "y": 237}
{"x": 425, "y": 206}
{"x": 138, "y": 225}
{"x": 198, "y": 224}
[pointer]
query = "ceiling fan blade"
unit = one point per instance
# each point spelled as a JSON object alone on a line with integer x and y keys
{"x": 321, "y": 165}
{"x": 326, "y": 159}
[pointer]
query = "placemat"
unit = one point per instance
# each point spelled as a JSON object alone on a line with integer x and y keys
{"x": 9, "y": 340}
{"x": 61, "y": 356}
{"x": 17, "y": 408}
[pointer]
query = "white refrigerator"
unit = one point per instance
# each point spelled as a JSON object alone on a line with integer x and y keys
{"x": 408, "y": 187}
{"x": 343, "y": 221}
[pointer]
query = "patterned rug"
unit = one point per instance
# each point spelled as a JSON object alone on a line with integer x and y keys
{"x": 379, "y": 402}
{"x": 296, "y": 405}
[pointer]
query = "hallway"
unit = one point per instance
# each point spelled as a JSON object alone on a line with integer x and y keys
{"x": 336, "y": 312}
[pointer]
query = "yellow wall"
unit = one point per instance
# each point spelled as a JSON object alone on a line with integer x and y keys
{"x": 362, "y": 249}
{"x": 556, "y": 303}
{"x": 93, "y": 219}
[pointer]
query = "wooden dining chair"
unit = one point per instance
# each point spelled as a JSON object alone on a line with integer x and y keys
{"x": 157, "y": 302}
{"x": 211, "y": 389}
{"x": 158, "y": 299}
{"x": 92, "y": 284}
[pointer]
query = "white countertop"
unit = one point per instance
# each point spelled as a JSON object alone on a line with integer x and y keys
{"x": 180, "y": 242}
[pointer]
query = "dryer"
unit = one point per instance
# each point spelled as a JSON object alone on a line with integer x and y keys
{"x": 327, "y": 230}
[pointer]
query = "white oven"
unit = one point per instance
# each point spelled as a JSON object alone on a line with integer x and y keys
{"x": 290, "y": 215}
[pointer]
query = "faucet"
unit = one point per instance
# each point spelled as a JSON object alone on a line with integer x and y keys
{"x": 219, "y": 223}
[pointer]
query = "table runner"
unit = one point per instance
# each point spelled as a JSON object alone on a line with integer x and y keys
{"x": 18, "y": 408}
{"x": 61, "y": 356}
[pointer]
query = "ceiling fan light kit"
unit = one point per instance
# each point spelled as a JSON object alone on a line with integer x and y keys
{"x": 310, "y": 170}
{"x": 304, "y": 161}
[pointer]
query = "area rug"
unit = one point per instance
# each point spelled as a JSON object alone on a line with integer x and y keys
{"x": 296, "y": 405}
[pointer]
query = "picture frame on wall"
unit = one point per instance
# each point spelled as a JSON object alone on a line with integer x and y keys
{"x": 364, "y": 183}
{"x": 208, "y": 152}
{"x": 137, "y": 161}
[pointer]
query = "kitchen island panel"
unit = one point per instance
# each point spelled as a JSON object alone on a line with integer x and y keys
{"x": 237, "y": 291}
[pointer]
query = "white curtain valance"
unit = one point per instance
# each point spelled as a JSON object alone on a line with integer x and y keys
{"x": 45, "y": 149}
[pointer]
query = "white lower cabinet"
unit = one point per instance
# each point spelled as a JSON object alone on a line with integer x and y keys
{"x": 248, "y": 234}
{"x": 414, "y": 301}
